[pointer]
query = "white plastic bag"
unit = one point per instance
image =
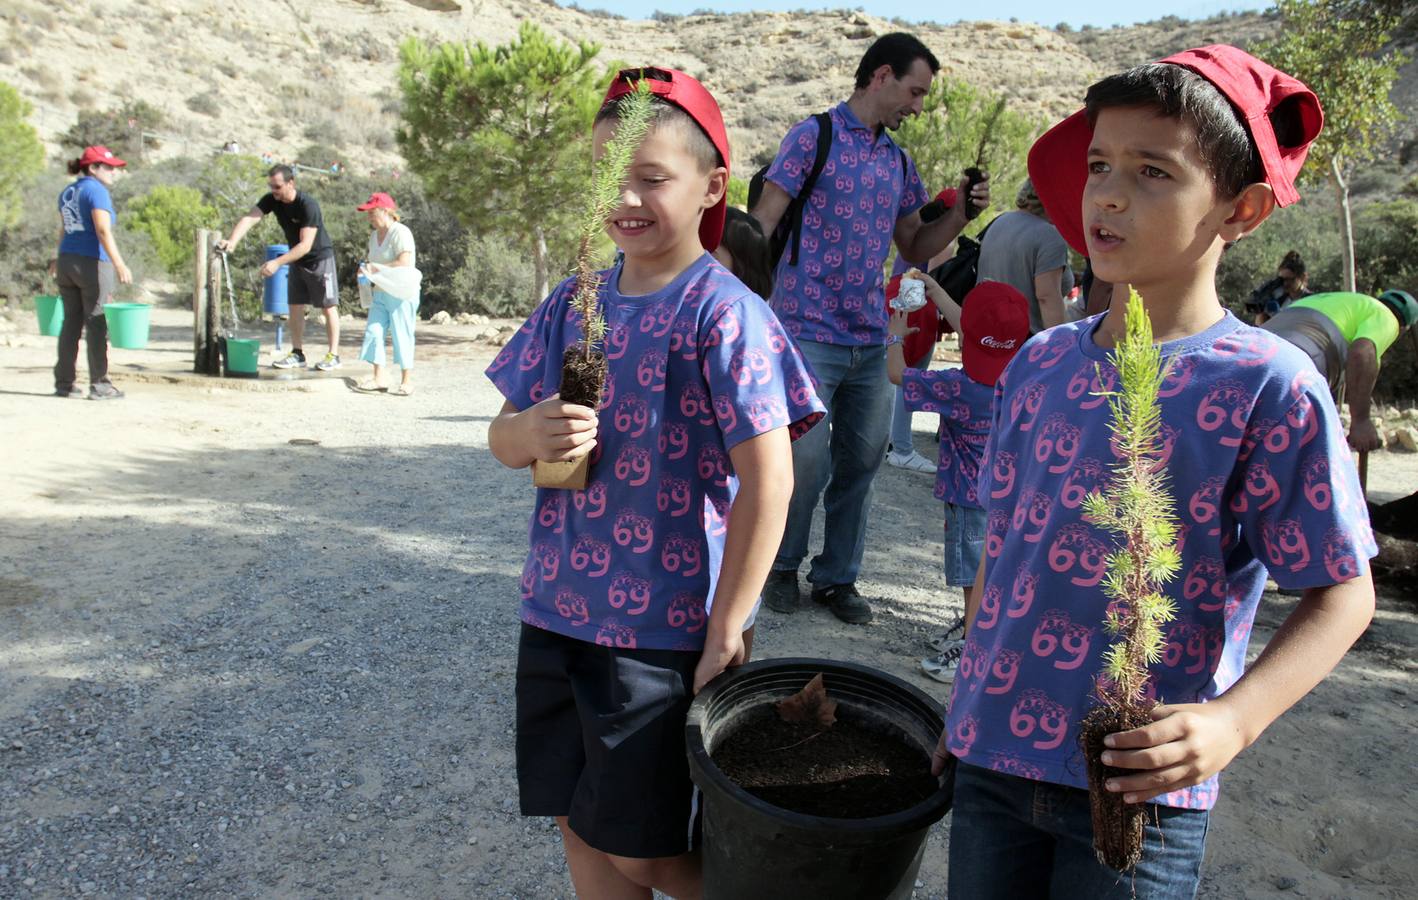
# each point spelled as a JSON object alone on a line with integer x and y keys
{"x": 399, "y": 282}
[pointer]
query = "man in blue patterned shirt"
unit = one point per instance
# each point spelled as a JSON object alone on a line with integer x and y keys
{"x": 831, "y": 301}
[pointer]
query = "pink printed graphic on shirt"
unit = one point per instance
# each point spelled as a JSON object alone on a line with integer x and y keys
{"x": 1060, "y": 640}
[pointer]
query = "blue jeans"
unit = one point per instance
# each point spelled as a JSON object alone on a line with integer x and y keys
{"x": 397, "y": 317}
{"x": 901, "y": 416}
{"x": 841, "y": 454}
{"x": 1011, "y": 837}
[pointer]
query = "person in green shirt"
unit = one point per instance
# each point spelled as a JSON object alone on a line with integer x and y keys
{"x": 1346, "y": 335}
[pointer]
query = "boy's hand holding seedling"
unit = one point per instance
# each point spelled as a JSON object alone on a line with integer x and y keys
{"x": 552, "y": 430}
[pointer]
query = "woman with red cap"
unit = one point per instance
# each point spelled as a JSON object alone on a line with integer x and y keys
{"x": 85, "y": 267}
{"x": 395, "y": 302}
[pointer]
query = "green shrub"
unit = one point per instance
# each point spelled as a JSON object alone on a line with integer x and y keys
{"x": 495, "y": 279}
{"x": 738, "y": 192}
{"x": 111, "y": 128}
{"x": 171, "y": 216}
{"x": 21, "y": 154}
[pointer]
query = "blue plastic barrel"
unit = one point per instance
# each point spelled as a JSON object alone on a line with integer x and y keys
{"x": 273, "y": 300}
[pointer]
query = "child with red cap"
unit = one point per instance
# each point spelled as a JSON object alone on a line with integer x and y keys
{"x": 1167, "y": 164}
{"x": 637, "y": 589}
{"x": 993, "y": 325}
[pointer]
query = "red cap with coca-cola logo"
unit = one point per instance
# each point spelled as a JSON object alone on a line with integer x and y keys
{"x": 994, "y": 324}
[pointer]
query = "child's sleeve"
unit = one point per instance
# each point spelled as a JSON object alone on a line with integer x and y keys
{"x": 930, "y": 390}
{"x": 1298, "y": 500}
{"x": 795, "y": 157}
{"x": 755, "y": 374}
{"x": 524, "y": 371}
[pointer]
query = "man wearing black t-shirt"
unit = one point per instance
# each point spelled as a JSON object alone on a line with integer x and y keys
{"x": 311, "y": 258}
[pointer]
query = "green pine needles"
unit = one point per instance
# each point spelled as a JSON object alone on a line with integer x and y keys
{"x": 635, "y": 112}
{"x": 1137, "y": 506}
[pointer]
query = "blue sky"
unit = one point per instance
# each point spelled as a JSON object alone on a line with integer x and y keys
{"x": 1099, "y": 12}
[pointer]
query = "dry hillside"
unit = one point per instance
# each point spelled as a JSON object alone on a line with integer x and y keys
{"x": 281, "y": 75}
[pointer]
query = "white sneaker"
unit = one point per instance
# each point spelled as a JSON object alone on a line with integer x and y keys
{"x": 912, "y": 461}
{"x": 942, "y": 667}
{"x": 953, "y": 634}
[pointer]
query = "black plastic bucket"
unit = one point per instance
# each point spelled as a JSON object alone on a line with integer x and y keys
{"x": 753, "y": 849}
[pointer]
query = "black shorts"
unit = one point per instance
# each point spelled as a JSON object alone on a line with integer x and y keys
{"x": 315, "y": 286}
{"x": 600, "y": 739}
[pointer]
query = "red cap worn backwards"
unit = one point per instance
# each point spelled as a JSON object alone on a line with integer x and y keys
{"x": 1058, "y": 161}
{"x": 994, "y": 324}
{"x": 692, "y": 97}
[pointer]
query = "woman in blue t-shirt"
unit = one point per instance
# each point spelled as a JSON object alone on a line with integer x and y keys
{"x": 85, "y": 268}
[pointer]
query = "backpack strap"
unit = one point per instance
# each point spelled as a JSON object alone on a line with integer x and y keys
{"x": 824, "y": 147}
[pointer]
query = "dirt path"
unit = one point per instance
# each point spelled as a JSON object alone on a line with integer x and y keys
{"x": 234, "y": 666}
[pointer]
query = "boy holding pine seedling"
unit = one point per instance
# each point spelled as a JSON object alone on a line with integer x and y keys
{"x": 1167, "y": 165}
{"x": 638, "y": 586}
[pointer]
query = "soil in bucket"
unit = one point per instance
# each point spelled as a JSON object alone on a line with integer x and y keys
{"x": 845, "y": 771}
{"x": 50, "y": 311}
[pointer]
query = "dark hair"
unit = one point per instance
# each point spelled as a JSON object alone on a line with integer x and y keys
{"x": 897, "y": 50}
{"x": 283, "y": 170}
{"x": 75, "y": 169}
{"x": 1294, "y": 263}
{"x": 664, "y": 114}
{"x": 744, "y": 240}
{"x": 1226, "y": 148}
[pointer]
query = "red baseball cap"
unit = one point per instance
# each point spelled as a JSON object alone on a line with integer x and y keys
{"x": 1058, "y": 161}
{"x": 98, "y": 153}
{"x": 377, "y": 200}
{"x": 994, "y": 324}
{"x": 692, "y": 97}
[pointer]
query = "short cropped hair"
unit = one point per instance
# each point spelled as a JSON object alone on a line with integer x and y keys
{"x": 283, "y": 170}
{"x": 898, "y": 50}
{"x": 1174, "y": 92}
{"x": 664, "y": 114}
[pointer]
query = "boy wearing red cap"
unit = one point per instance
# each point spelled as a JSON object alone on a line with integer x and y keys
{"x": 638, "y": 588}
{"x": 1168, "y": 163}
{"x": 993, "y": 325}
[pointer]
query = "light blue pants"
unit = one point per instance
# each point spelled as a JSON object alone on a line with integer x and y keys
{"x": 841, "y": 454}
{"x": 397, "y": 317}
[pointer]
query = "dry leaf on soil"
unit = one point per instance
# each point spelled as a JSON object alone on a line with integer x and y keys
{"x": 810, "y": 706}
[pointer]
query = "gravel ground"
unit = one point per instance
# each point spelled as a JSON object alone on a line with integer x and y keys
{"x": 235, "y": 666}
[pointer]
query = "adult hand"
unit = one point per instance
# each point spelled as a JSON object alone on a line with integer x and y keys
{"x": 54, "y": 268}
{"x": 223, "y": 246}
{"x": 979, "y": 194}
{"x": 124, "y": 276}
{"x": 1186, "y": 744}
{"x": 268, "y": 268}
{"x": 557, "y": 431}
{"x": 1363, "y": 436}
{"x": 718, "y": 656}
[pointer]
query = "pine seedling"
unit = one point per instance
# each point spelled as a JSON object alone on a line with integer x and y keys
{"x": 1137, "y": 506}
{"x": 607, "y": 181}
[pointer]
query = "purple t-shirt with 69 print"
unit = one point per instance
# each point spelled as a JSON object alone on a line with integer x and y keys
{"x": 694, "y": 369}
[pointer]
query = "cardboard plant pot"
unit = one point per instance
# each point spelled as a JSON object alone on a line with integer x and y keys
{"x": 583, "y": 377}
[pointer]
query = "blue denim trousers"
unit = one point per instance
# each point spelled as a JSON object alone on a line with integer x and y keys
{"x": 1014, "y": 838}
{"x": 397, "y": 318}
{"x": 841, "y": 454}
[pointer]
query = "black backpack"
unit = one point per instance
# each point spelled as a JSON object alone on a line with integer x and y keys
{"x": 959, "y": 274}
{"x": 790, "y": 226}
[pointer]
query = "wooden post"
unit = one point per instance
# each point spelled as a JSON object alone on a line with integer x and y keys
{"x": 199, "y": 303}
{"x": 214, "y": 317}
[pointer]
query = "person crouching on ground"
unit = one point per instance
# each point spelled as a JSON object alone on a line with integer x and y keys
{"x": 311, "y": 258}
{"x": 1168, "y": 163}
{"x": 391, "y": 245}
{"x": 993, "y": 325}
{"x": 640, "y": 584}
{"x": 85, "y": 268}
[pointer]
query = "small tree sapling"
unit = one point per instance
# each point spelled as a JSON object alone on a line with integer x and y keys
{"x": 583, "y": 364}
{"x": 1137, "y": 506}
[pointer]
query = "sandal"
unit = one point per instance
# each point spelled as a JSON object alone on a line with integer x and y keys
{"x": 403, "y": 390}
{"x": 370, "y": 386}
